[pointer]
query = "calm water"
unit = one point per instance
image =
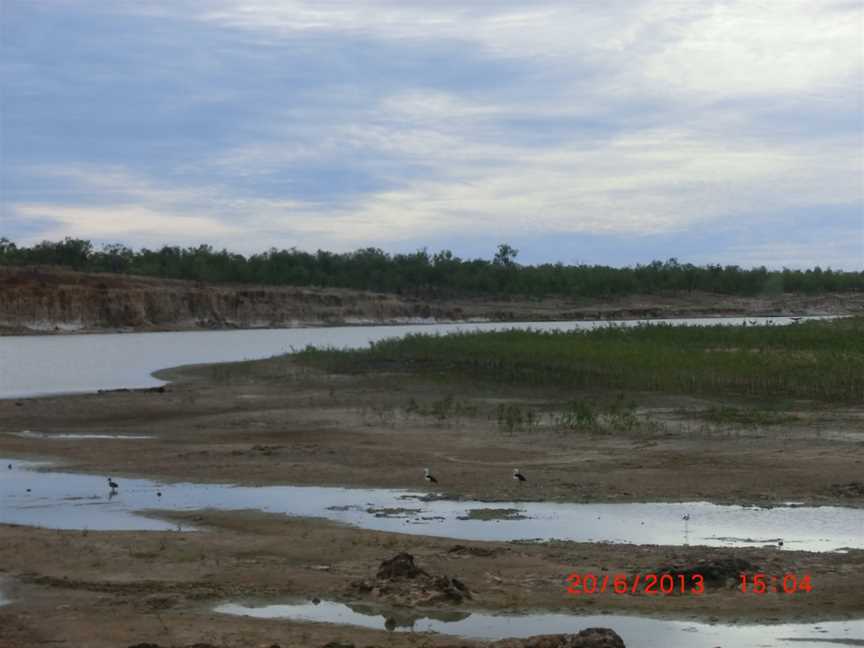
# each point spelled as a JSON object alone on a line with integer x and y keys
{"x": 75, "y": 501}
{"x": 637, "y": 632}
{"x": 39, "y": 365}
{"x": 72, "y": 436}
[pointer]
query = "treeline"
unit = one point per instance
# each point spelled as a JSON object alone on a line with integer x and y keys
{"x": 425, "y": 274}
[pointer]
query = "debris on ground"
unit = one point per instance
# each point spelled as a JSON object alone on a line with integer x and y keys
{"x": 474, "y": 552}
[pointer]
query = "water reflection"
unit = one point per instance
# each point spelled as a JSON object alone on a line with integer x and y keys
{"x": 641, "y": 632}
{"x": 71, "y": 436}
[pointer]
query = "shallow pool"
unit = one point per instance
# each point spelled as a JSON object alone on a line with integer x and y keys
{"x": 637, "y": 632}
{"x": 33, "y": 495}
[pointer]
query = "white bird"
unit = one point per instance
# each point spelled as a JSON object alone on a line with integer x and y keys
{"x": 518, "y": 476}
{"x": 429, "y": 477}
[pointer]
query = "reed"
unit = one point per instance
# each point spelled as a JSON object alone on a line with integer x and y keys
{"x": 819, "y": 360}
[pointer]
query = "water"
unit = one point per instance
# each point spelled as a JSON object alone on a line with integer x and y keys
{"x": 71, "y": 436}
{"x": 40, "y": 365}
{"x": 76, "y": 501}
{"x": 637, "y": 632}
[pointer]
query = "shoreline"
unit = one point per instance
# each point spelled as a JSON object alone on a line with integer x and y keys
{"x": 31, "y": 332}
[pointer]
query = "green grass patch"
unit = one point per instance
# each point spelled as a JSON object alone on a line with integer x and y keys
{"x": 819, "y": 360}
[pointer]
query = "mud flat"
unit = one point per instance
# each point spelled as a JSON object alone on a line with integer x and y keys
{"x": 276, "y": 426}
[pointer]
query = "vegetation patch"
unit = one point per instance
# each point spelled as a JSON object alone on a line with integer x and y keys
{"x": 815, "y": 360}
{"x": 494, "y": 514}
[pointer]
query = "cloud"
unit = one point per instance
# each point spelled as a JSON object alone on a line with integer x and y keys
{"x": 122, "y": 223}
{"x": 397, "y": 123}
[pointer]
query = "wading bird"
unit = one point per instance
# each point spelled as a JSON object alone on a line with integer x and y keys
{"x": 429, "y": 477}
{"x": 518, "y": 476}
{"x": 112, "y": 484}
{"x": 686, "y": 517}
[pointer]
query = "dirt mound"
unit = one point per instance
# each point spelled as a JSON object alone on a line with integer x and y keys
{"x": 399, "y": 567}
{"x": 716, "y": 571}
{"x": 589, "y": 638}
{"x": 400, "y": 581}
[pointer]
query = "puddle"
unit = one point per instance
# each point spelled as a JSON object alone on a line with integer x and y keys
{"x": 63, "y": 436}
{"x": 77, "y": 501}
{"x": 635, "y": 631}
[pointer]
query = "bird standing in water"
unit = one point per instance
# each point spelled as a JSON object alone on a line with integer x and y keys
{"x": 113, "y": 485}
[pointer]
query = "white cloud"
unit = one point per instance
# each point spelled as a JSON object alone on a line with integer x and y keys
{"x": 720, "y": 48}
{"x": 123, "y": 222}
{"x": 684, "y": 164}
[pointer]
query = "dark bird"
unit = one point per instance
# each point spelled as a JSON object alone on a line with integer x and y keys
{"x": 780, "y": 543}
{"x": 10, "y": 466}
{"x": 686, "y": 517}
{"x": 518, "y": 476}
{"x": 429, "y": 476}
{"x": 112, "y": 484}
{"x": 158, "y": 493}
{"x": 28, "y": 490}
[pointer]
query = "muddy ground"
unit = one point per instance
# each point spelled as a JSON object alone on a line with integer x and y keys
{"x": 273, "y": 422}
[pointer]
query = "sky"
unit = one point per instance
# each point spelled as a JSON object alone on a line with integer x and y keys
{"x": 581, "y": 131}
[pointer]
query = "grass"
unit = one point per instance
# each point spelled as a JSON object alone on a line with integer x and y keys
{"x": 818, "y": 360}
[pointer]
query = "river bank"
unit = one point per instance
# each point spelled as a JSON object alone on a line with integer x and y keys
{"x": 46, "y": 301}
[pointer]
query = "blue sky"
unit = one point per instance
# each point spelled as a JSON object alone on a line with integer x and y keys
{"x": 609, "y": 132}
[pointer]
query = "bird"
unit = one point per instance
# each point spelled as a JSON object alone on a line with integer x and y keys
{"x": 518, "y": 476}
{"x": 10, "y": 466}
{"x": 686, "y": 517}
{"x": 112, "y": 484}
{"x": 780, "y": 543}
{"x": 429, "y": 476}
{"x": 158, "y": 493}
